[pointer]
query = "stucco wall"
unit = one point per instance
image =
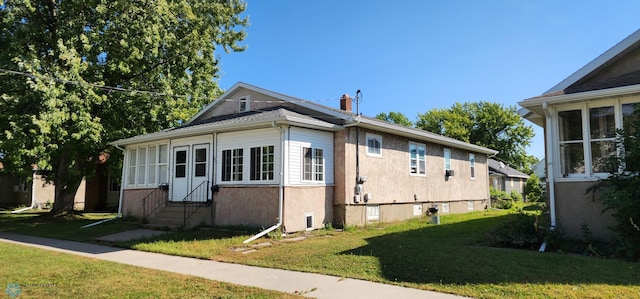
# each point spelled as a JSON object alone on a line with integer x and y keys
{"x": 132, "y": 202}
{"x": 575, "y": 207}
{"x": 302, "y": 200}
{"x": 390, "y": 182}
{"x": 247, "y": 206}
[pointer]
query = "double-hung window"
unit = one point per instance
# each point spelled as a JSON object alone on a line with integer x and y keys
{"x": 262, "y": 163}
{"x": 232, "y": 165}
{"x": 417, "y": 158}
{"x": 313, "y": 164}
{"x": 587, "y": 137}
{"x": 374, "y": 145}
{"x": 472, "y": 165}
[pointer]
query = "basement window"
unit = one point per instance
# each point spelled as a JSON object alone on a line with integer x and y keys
{"x": 308, "y": 217}
{"x": 373, "y": 212}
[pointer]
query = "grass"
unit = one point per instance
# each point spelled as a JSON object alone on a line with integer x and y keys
{"x": 448, "y": 258}
{"x": 44, "y": 274}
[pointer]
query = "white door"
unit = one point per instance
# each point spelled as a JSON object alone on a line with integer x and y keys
{"x": 180, "y": 186}
{"x": 200, "y": 172}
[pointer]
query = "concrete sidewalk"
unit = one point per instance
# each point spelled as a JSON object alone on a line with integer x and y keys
{"x": 316, "y": 285}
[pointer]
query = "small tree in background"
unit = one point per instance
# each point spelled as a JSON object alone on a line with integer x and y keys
{"x": 396, "y": 118}
{"x": 533, "y": 190}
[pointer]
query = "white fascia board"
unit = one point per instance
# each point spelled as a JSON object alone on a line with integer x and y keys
{"x": 210, "y": 128}
{"x": 582, "y": 96}
{"x": 596, "y": 63}
{"x": 422, "y": 135}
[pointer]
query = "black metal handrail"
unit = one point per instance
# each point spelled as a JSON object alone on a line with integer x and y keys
{"x": 154, "y": 200}
{"x": 197, "y": 198}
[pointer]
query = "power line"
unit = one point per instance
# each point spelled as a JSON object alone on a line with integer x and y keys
{"x": 137, "y": 91}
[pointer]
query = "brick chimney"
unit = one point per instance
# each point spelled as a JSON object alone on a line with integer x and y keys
{"x": 345, "y": 102}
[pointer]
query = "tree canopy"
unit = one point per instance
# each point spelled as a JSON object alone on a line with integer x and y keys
{"x": 486, "y": 124}
{"x": 396, "y": 118}
{"x": 75, "y": 75}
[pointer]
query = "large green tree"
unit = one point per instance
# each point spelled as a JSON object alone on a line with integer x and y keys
{"x": 486, "y": 124}
{"x": 396, "y": 118}
{"x": 76, "y": 74}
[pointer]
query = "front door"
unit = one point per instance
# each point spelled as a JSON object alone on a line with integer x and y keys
{"x": 191, "y": 172}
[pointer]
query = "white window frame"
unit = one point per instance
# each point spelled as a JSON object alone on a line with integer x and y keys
{"x": 244, "y": 101}
{"x": 306, "y": 221}
{"x": 264, "y": 166}
{"x": 147, "y": 173}
{"x": 446, "y": 152}
{"x": 374, "y": 151}
{"x": 586, "y": 140}
{"x": 470, "y": 205}
{"x": 373, "y": 212}
{"x": 445, "y": 207}
{"x": 316, "y": 165}
{"x": 417, "y": 159}
{"x": 472, "y": 166}
{"x": 236, "y": 170}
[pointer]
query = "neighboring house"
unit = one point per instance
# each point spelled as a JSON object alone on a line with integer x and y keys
{"x": 580, "y": 116}
{"x": 257, "y": 158}
{"x": 100, "y": 193}
{"x": 540, "y": 170}
{"x": 504, "y": 178}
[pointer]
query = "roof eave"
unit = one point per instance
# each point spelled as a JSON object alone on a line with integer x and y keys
{"x": 581, "y": 96}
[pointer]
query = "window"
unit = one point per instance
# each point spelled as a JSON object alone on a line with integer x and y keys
{"x": 571, "y": 142}
{"x": 603, "y": 137}
{"x": 313, "y": 164}
{"x": 373, "y": 212}
{"x": 472, "y": 165}
{"x": 308, "y": 218}
{"x": 181, "y": 164}
{"x": 232, "y": 165}
{"x": 114, "y": 185}
{"x": 447, "y": 159}
{"x": 147, "y": 166}
{"x": 374, "y": 145}
{"x": 244, "y": 104}
{"x": 445, "y": 207}
{"x": 133, "y": 155}
{"x": 470, "y": 206}
{"x": 262, "y": 163}
{"x": 200, "y": 162}
{"x": 417, "y": 156}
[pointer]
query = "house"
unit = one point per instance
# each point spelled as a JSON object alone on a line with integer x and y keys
{"x": 540, "y": 170}
{"x": 504, "y": 178}
{"x": 99, "y": 193}
{"x": 579, "y": 116}
{"x": 259, "y": 158}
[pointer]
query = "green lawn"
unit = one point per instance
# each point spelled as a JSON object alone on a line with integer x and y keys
{"x": 44, "y": 274}
{"x": 446, "y": 257}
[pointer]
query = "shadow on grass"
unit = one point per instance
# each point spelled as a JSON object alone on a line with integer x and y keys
{"x": 450, "y": 254}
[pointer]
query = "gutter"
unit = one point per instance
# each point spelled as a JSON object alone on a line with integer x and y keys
{"x": 121, "y": 193}
{"x": 280, "y": 192}
{"x": 34, "y": 202}
{"x": 550, "y": 171}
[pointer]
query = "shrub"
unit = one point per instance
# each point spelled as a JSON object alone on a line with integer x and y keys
{"x": 533, "y": 190}
{"x": 504, "y": 204}
{"x": 516, "y": 196}
{"x": 520, "y": 231}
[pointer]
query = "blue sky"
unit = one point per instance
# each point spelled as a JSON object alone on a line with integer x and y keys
{"x": 412, "y": 56}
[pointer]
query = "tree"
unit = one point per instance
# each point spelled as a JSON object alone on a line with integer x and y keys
{"x": 533, "y": 190}
{"x": 486, "y": 124}
{"x": 78, "y": 74}
{"x": 396, "y": 118}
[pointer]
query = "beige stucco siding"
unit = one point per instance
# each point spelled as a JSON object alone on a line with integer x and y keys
{"x": 302, "y": 201}
{"x": 575, "y": 208}
{"x": 132, "y": 202}
{"x": 245, "y": 205}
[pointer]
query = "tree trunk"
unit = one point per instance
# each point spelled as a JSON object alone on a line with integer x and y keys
{"x": 66, "y": 185}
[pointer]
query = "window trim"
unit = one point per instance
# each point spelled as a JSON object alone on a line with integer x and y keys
{"x": 316, "y": 166}
{"x": 247, "y": 104}
{"x": 257, "y": 170}
{"x": 376, "y": 215}
{"x": 472, "y": 166}
{"x": 135, "y": 167}
{"x": 586, "y": 140}
{"x": 377, "y": 138}
{"x": 306, "y": 220}
{"x": 417, "y": 159}
{"x": 446, "y": 155}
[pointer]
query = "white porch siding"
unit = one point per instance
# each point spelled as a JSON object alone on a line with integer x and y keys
{"x": 246, "y": 140}
{"x": 300, "y": 138}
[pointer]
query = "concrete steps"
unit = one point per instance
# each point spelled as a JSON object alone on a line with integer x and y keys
{"x": 173, "y": 217}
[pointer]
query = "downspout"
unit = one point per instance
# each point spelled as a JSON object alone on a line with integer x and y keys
{"x": 34, "y": 202}
{"x": 124, "y": 162}
{"x": 280, "y": 192}
{"x": 550, "y": 172}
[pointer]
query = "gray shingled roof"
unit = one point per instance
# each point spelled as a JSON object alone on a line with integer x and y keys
{"x": 506, "y": 170}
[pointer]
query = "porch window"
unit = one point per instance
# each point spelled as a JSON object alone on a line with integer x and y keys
{"x": 417, "y": 158}
{"x": 374, "y": 145}
{"x": 133, "y": 155}
{"x": 147, "y": 165}
{"x": 142, "y": 164}
{"x": 262, "y": 163}
{"x": 232, "y": 164}
{"x": 472, "y": 165}
{"x": 313, "y": 164}
{"x": 163, "y": 157}
{"x": 587, "y": 137}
